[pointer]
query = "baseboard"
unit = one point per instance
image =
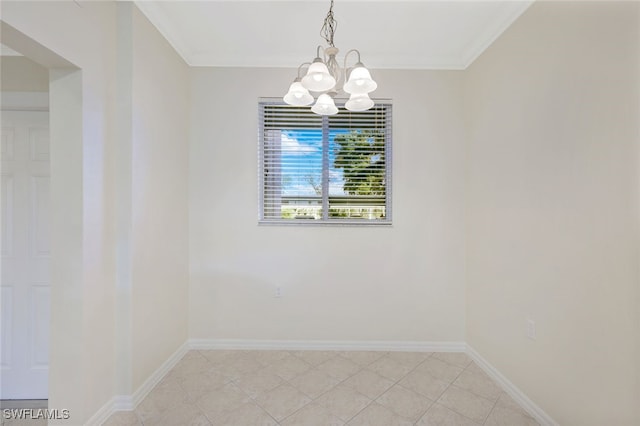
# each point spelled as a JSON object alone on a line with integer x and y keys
{"x": 512, "y": 390}
{"x": 103, "y": 413}
{"x": 327, "y": 345}
{"x": 157, "y": 376}
{"x": 130, "y": 402}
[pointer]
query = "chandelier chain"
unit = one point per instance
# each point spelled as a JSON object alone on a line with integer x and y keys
{"x": 329, "y": 28}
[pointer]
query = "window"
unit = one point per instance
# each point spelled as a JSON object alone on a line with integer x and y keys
{"x": 324, "y": 169}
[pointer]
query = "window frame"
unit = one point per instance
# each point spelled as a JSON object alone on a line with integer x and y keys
{"x": 326, "y": 220}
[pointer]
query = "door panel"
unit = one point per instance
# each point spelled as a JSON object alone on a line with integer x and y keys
{"x": 7, "y": 216}
{"x": 40, "y": 217}
{"x": 25, "y": 289}
{"x": 39, "y": 342}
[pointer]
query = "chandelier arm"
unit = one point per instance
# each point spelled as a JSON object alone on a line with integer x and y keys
{"x": 302, "y": 65}
{"x": 345, "y": 60}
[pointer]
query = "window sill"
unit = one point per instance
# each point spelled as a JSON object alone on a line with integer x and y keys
{"x": 310, "y": 222}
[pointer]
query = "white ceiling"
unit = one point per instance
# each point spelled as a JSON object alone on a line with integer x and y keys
{"x": 414, "y": 34}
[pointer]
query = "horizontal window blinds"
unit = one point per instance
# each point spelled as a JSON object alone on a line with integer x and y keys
{"x": 324, "y": 169}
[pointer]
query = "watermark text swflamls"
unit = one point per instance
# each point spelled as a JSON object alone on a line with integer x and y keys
{"x": 35, "y": 413}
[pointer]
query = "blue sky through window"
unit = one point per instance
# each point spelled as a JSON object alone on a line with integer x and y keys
{"x": 302, "y": 163}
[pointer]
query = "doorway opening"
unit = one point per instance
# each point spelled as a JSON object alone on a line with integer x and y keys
{"x": 25, "y": 293}
{"x": 41, "y": 219}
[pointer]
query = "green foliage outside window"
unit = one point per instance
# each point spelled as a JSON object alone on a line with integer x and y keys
{"x": 360, "y": 154}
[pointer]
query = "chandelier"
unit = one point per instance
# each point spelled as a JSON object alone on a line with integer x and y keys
{"x": 326, "y": 79}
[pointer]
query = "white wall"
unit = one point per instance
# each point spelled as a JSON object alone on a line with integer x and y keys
{"x": 399, "y": 283}
{"x": 552, "y": 110}
{"x": 81, "y": 355}
{"x": 160, "y": 91}
{"x": 120, "y": 274}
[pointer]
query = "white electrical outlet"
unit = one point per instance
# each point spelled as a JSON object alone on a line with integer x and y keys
{"x": 531, "y": 329}
{"x": 278, "y": 292}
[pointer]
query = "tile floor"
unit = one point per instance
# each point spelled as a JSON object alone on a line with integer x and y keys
{"x": 308, "y": 388}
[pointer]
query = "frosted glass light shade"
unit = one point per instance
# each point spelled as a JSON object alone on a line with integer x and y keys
{"x": 318, "y": 78}
{"x": 360, "y": 102}
{"x": 325, "y": 105}
{"x": 298, "y": 95}
{"x": 360, "y": 81}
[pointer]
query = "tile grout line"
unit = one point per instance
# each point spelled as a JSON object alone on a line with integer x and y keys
{"x": 337, "y": 384}
{"x": 290, "y": 384}
{"x": 298, "y": 375}
{"x": 312, "y": 367}
{"x": 361, "y": 368}
{"x": 405, "y": 375}
{"x": 451, "y": 384}
{"x": 397, "y": 382}
{"x": 491, "y": 411}
{"x": 255, "y": 401}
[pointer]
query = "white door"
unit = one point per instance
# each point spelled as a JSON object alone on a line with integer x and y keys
{"x": 25, "y": 292}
